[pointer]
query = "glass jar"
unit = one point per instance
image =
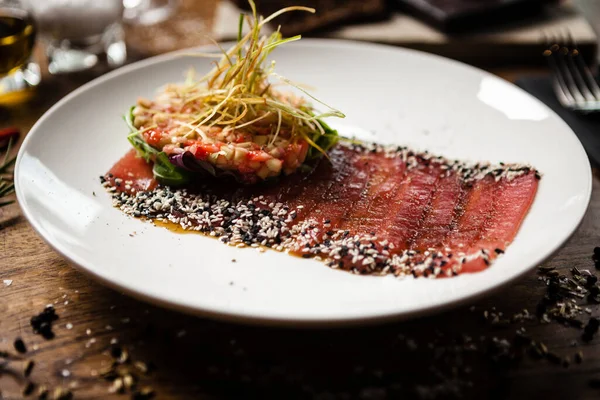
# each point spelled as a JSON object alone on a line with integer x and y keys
{"x": 18, "y": 74}
{"x": 79, "y": 33}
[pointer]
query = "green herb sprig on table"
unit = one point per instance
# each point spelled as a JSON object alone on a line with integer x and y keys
{"x": 7, "y": 185}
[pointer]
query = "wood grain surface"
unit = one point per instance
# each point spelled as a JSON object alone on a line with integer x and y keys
{"x": 449, "y": 355}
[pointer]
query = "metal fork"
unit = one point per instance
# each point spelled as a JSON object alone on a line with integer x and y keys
{"x": 573, "y": 82}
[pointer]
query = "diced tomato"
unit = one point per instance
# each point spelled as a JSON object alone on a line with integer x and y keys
{"x": 153, "y": 137}
{"x": 204, "y": 149}
{"x": 259, "y": 156}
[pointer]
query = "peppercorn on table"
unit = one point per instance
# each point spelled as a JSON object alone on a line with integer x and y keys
{"x": 64, "y": 336}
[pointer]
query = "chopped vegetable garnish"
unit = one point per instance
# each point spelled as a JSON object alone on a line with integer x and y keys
{"x": 234, "y": 120}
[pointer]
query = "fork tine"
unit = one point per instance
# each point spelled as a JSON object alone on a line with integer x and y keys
{"x": 589, "y": 77}
{"x": 561, "y": 58}
{"x": 560, "y": 85}
{"x": 584, "y": 70}
{"x": 578, "y": 76}
{"x": 573, "y": 81}
{"x": 581, "y": 72}
{"x": 564, "y": 97}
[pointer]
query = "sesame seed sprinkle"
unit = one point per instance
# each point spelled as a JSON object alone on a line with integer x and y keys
{"x": 261, "y": 223}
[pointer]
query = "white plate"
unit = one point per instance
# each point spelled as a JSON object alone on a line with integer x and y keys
{"x": 389, "y": 95}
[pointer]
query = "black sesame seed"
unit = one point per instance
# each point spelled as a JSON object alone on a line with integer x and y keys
{"x": 20, "y": 345}
{"x": 116, "y": 351}
{"x": 63, "y": 394}
{"x": 42, "y": 393}
{"x": 28, "y": 368}
{"x": 28, "y": 389}
{"x": 46, "y": 331}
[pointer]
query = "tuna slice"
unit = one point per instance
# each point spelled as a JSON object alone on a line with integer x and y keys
{"x": 372, "y": 210}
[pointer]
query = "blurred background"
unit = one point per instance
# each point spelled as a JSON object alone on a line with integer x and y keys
{"x": 50, "y": 47}
{"x": 67, "y": 42}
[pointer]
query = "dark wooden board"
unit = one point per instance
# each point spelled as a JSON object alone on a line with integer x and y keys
{"x": 202, "y": 359}
{"x": 464, "y": 15}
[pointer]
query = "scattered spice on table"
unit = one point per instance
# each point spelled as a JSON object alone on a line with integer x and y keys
{"x": 20, "y": 345}
{"x": 62, "y": 394}
{"x": 42, "y": 393}
{"x": 124, "y": 374}
{"x": 567, "y": 300}
{"x": 28, "y": 389}
{"x": 28, "y": 367}
{"x": 42, "y": 323}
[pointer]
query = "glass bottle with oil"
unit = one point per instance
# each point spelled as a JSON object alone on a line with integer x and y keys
{"x": 17, "y": 37}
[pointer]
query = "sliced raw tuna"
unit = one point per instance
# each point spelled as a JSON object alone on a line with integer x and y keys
{"x": 409, "y": 207}
{"x": 371, "y": 213}
{"x": 513, "y": 199}
{"x": 444, "y": 205}
{"x": 476, "y": 211}
{"x": 368, "y": 209}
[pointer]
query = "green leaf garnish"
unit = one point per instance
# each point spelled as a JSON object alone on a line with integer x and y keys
{"x": 168, "y": 173}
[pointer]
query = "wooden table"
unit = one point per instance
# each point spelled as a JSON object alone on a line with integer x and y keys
{"x": 434, "y": 357}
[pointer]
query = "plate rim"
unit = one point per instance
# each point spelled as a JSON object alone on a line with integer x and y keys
{"x": 254, "y": 318}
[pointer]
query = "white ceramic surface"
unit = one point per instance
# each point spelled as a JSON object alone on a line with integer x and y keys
{"x": 389, "y": 95}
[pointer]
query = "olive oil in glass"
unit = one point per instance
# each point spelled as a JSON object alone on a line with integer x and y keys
{"x": 17, "y": 36}
{"x": 18, "y": 75}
